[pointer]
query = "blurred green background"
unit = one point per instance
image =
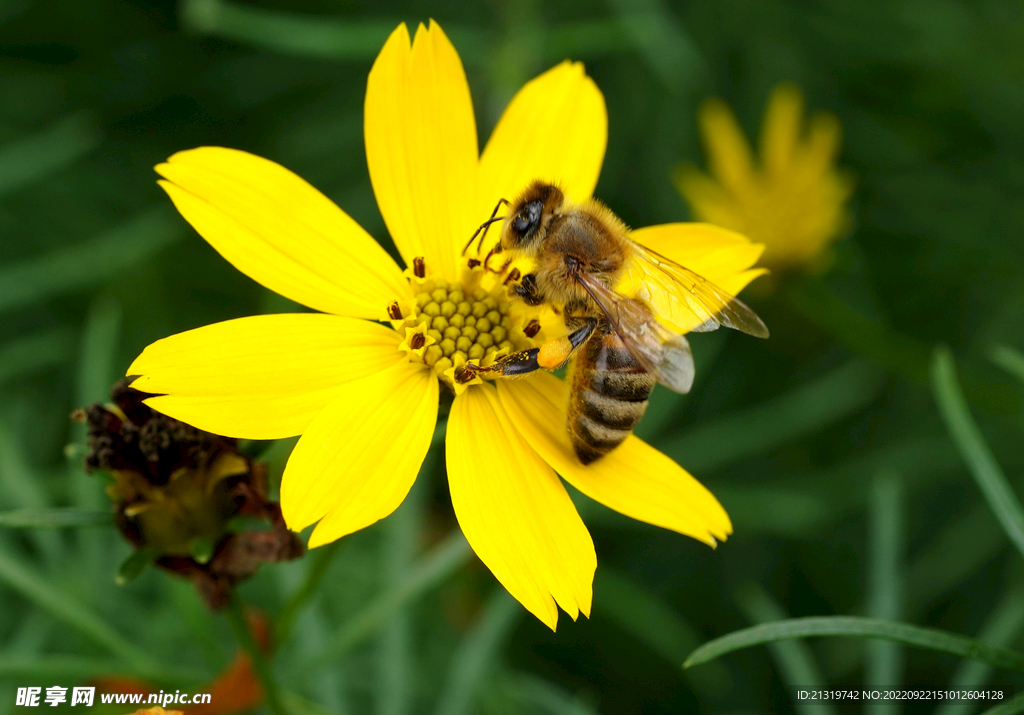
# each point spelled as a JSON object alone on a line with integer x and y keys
{"x": 824, "y": 443}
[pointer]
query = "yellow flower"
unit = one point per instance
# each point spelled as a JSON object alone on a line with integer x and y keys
{"x": 794, "y": 202}
{"x": 364, "y": 396}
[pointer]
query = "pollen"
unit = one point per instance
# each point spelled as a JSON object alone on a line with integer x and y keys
{"x": 452, "y": 324}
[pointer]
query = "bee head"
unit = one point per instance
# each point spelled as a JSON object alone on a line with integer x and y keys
{"x": 528, "y": 218}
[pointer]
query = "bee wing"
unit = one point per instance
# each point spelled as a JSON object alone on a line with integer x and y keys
{"x": 659, "y": 351}
{"x": 695, "y": 302}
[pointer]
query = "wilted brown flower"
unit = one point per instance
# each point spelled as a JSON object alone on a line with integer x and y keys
{"x": 179, "y": 493}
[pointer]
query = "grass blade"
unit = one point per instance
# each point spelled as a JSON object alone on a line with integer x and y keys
{"x": 235, "y": 613}
{"x": 662, "y": 41}
{"x": 648, "y": 619}
{"x": 477, "y": 652}
{"x": 23, "y": 488}
{"x": 1001, "y": 628}
{"x": 776, "y": 422}
{"x": 305, "y": 35}
{"x": 884, "y": 666}
{"x": 436, "y": 566}
{"x": 905, "y": 356}
{"x": 975, "y": 452}
{"x": 66, "y": 667}
{"x": 319, "y": 561}
{"x": 51, "y": 148}
{"x": 1013, "y": 706}
{"x": 1009, "y": 359}
{"x": 54, "y": 519}
{"x": 63, "y": 606}
{"x": 96, "y": 372}
{"x": 793, "y": 658}
{"x": 857, "y": 627}
{"x": 90, "y": 262}
{"x": 536, "y": 695}
{"x": 38, "y": 351}
{"x": 952, "y": 557}
{"x": 56, "y": 667}
{"x": 394, "y": 647}
{"x": 299, "y": 705}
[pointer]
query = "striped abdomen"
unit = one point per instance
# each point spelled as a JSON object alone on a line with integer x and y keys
{"x": 608, "y": 395}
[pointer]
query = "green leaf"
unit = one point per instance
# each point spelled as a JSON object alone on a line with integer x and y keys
{"x": 430, "y": 571}
{"x": 857, "y": 627}
{"x": 54, "y": 518}
{"x": 201, "y": 549}
{"x": 793, "y": 659}
{"x": 975, "y": 452}
{"x": 133, "y": 566}
{"x": 776, "y": 422}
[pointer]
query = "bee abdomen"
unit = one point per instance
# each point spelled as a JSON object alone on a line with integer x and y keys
{"x": 609, "y": 396}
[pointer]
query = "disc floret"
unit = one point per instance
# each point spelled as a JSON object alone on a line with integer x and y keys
{"x": 449, "y": 324}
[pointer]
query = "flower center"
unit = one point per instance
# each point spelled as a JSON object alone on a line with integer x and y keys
{"x": 453, "y": 323}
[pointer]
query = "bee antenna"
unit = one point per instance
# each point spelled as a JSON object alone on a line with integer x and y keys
{"x": 484, "y": 227}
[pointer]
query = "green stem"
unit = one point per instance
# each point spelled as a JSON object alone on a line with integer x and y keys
{"x": 320, "y": 561}
{"x": 236, "y": 617}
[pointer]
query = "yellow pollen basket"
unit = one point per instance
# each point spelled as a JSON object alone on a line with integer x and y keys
{"x": 452, "y": 324}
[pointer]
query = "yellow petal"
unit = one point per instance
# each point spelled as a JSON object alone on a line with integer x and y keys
{"x": 634, "y": 479}
{"x": 421, "y": 147}
{"x": 781, "y": 128}
{"x": 515, "y": 512}
{"x": 357, "y": 460}
{"x": 554, "y": 129}
{"x": 719, "y": 255}
{"x": 263, "y": 377}
{"x": 824, "y": 136}
{"x": 708, "y": 200}
{"x": 281, "y": 232}
{"x": 727, "y": 148}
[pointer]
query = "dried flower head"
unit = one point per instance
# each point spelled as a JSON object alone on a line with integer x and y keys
{"x": 178, "y": 493}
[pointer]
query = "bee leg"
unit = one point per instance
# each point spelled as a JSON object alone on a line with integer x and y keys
{"x": 528, "y": 291}
{"x": 548, "y": 356}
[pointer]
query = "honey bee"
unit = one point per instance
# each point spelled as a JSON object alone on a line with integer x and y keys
{"x": 621, "y": 349}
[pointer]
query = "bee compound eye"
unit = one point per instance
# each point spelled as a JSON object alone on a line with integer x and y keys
{"x": 528, "y": 217}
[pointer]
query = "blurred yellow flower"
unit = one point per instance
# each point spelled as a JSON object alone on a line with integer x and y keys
{"x": 794, "y": 202}
{"x": 364, "y": 396}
